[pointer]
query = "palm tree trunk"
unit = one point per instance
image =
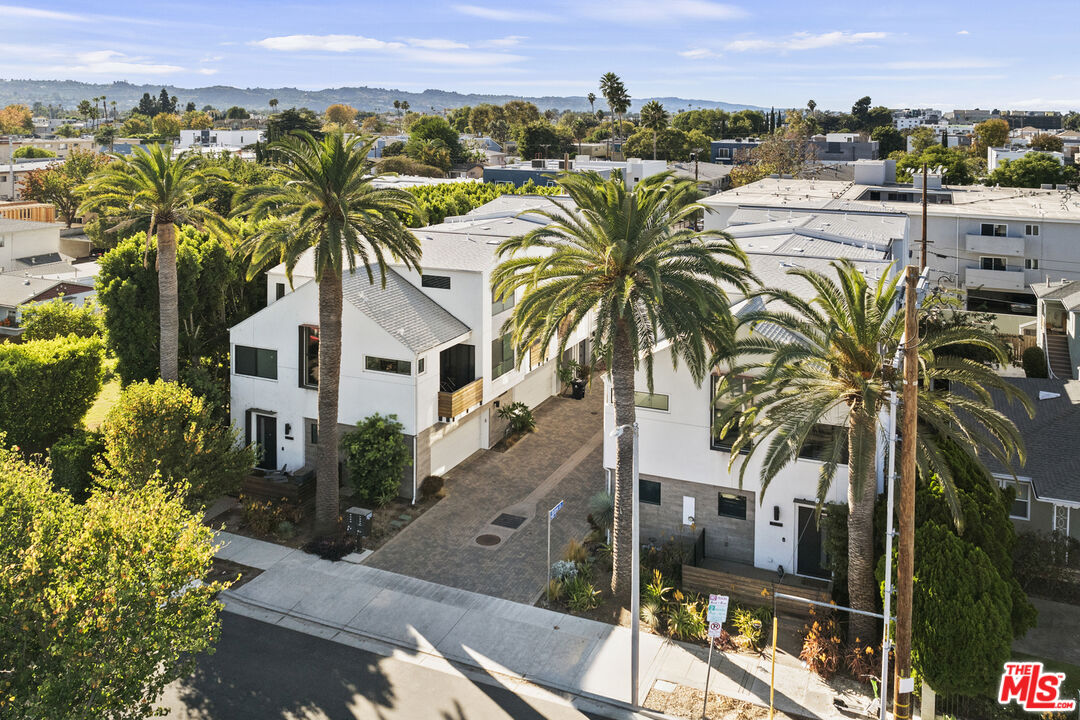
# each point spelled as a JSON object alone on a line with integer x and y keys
{"x": 654, "y": 144}
{"x": 326, "y": 467}
{"x": 622, "y": 381}
{"x": 862, "y": 491}
{"x": 168, "y": 312}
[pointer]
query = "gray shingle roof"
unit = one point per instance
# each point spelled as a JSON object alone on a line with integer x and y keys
{"x": 18, "y": 289}
{"x": 1067, "y": 292}
{"x": 402, "y": 310}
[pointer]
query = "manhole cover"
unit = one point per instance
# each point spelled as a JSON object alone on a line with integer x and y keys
{"x": 488, "y": 540}
{"x": 508, "y": 521}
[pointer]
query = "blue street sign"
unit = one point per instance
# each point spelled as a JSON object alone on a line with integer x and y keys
{"x": 555, "y": 511}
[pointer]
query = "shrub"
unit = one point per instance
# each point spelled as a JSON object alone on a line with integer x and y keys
{"x": 575, "y": 552}
{"x": 1047, "y": 563}
{"x": 519, "y": 417}
{"x": 686, "y": 621}
{"x": 556, "y": 591}
{"x": 431, "y": 487}
{"x": 863, "y": 660}
{"x": 57, "y": 318}
{"x": 581, "y": 595}
{"x": 821, "y": 650}
{"x": 31, "y": 152}
{"x": 331, "y": 548}
{"x": 165, "y": 428}
{"x": 1034, "y": 362}
{"x": 750, "y": 623}
{"x": 72, "y": 459}
{"x": 267, "y": 516}
{"x": 564, "y": 570}
{"x": 652, "y": 614}
{"x": 46, "y": 387}
{"x": 656, "y": 590}
{"x": 602, "y": 510}
{"x": 376, "y": 457}
{"x": 404, "y": 166}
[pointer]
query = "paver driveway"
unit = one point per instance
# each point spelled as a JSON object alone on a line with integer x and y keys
{"x": 562, "y": 460}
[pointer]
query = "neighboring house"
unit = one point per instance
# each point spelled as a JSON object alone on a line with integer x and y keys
{"x": 993, "y": 243}
{"x": 25, "y": 244}
{"x": 542, "y": 172}
{"x": 726, "y": 152}
{"x": 60, "y": 146}
{"x": 1058, "y": 326}
{"x": 843, "y": 147}
{"x": 428, "y": 348}
{"x": 19, "y": 290}
{"x": 1048, "y": 484}
{"x": 28, "y": 210}
{"x": 12, "y": 177}
{"x": 994, "y": 156}
{"x": 220, "y": 139}
{"x": 381, "y": 142}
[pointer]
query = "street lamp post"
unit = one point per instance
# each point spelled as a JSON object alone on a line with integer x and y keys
{"x": 635, "y": 560}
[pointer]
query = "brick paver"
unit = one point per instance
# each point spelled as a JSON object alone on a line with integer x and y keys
{"x": 440, "y": 545}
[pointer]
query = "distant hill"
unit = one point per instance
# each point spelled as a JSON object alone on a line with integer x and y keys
{"x": 69, "y": 92}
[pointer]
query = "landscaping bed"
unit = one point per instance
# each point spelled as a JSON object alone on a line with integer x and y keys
{"x": 228, "y": 571}
{"x": 686, "y": 702}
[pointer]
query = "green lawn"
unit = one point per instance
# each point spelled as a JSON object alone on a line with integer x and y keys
{"x": 110, "y": 393}
{"x": 1072, "y": 672}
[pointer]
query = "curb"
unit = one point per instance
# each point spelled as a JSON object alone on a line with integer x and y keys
{"x": 622, "y": 708}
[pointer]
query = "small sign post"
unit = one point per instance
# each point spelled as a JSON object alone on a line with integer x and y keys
{"x": 551, "y": 516}
{"x": 716, "y": 615}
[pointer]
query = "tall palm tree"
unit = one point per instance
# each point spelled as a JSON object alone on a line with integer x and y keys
{"x": 628, "y": 256}
{"x": 614, "y": 92}
{"x": 591, "y": 97}
{"x": 847, "y": 336}
{"x": 151, "y": 189}
{"x": 655, "y": 118}
{"x": 327, "y": 203}
{"x": 273, "y": 104}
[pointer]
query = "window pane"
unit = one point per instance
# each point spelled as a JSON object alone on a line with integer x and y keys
{"x": 502, "y": 356}
{"x": 441, "y": 282}
{"x": 1019, "y": 507}
{"x": 245, "y": 360}
{"x": 499, "y": 305}
{"x": 309, "y": 343}
{"x": 719, "y": 405}
{"x": 399, "y": 367}
{"x": 651, "y": 401}
{"x": 821, "y": 442}
{"x": 731, "y": 505}
{"x": 649, "y": 491}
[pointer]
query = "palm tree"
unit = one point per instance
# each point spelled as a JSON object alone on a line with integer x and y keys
{"x": 273, "y": 104}
{"x": 591, "y": 97}
{"x": 628, "y": 256}
{"x": 151, "y": 189}
{"x": 810, "y": 105}
{"x": 847, "y": 337}
{"x": 613, "y": 90}
{"x": 655, "y": 118}
{"x": 327, "y": 203}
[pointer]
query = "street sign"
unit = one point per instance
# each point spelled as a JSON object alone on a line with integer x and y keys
{"x": 555, "y": 511}
{"x": 715, "y": 629}
{"x": 718, "y": 606}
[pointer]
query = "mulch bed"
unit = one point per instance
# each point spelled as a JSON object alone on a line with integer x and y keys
{"x": 229, "y": 571}
{"x": 686, "y": 702}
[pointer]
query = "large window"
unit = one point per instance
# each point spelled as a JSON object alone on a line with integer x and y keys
{"x": 649, "y": 491}
{"x": 309, "y": 356}
{"x": 439, "y": 282}
{"x": 378, "y": 364}
{"x": 821, "y": 440}
{"x": 502, "y": 356}
{"x": 498, "y": 305}
{"x": 256, "y": 362}
{"x": 994, "y": 230}
{"x": 992, "y": 263}
{"x": 719, "y": 405}
{"x": 1021, "y": 507}
{"x": 651, "y": 401}
{"x": 1031, "y": 230}
{"x": 731, "y": 505}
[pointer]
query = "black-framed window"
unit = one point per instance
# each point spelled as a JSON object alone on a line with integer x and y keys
{"x": 309, "y": 356}
{"x": 439, "y": 282}
{"x": 994, "y": 230}
{"x": 731, "y": 505}
{"x": 279, "y": 291}
{"x": 651, "y": 401}
{"x": 719, "y": 405}
{"x": 820, "y": 441}
{"x": 1021, "y": 506}
{"x": 993, "y": 263}
{"x": 498, "y": 304}
{"x": 1031, "y": 263}
{"x": 386, "y": 365}
{"x": 256, "y": 362}
{"x": 313, "y": 432}
{"x": 649, "y": 491}
{"x": 502, "y": 356}
{"x": 421, "y": 366}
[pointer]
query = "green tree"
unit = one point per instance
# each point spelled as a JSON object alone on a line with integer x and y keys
{"x": 46, "y": 387}
{"x": 1031, "y": 171}
{"x": 100, "y": 612}
{"x": 237, "y": 113}
{"x": 56, "y": 318}
{"x": 618, "y": 99}
{"x": 889, "y": 140}
{"x": 956, "y": 162}
{"x": 196, "y": 120}
{"x": 153, "y": 190}
{"x": 542, "y": 139}
{"x": 850, "y": 331}
{"x": 520, "y": 112}
{"x": 482, "y": 116}
{"x": 16, "y": 120}
{"x": 136, "y": 124}
{"x": 922, "y": 138}
{"x": 1046, "y": 143}
{"x": 291, "y": 121}
{"x": 167, "y": 124}
{"x": 436, "y": 202}
{"x": 433, "y": 127}
{"x": 591, "y": 97}
{"x": 628, "y": 256}
{"x": 164, "y": 428}
{"x": 33, "y": 153}
{"x": 59, "y": 183}
{"x": 991, "y": 133}
{"x": 148, "y": 106}
{"x": 459, "y": 118}
{"x": 376, "y": 457}
{"x": 433, "y": 153}
{"x": 106, "y": 135}
{"x": 328, "y": 204}
{"x": 671, "y": 143}
{"x": 1071, "y": 121}
{"x": 72, "y": 460}
{"x": 655, "y": 118}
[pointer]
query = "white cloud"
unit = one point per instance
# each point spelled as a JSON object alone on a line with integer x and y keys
{"x": 207, "y": 71}
{"x": 505, "y": 15}
{"x": 805, "y": 41}
{"x": 649, "y": 11}
{"x": 325, "y": 43}
{"x": 962, "y": 32}
{"x": 111, "y": 62}
{"x": 15, "y": 11}
{"x": 436, "y": 43}
{"x": 699, "y": 54}
{"x": 508, "y": 41}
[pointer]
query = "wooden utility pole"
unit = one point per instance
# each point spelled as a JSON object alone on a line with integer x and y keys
{"x": 922, "y": 262}
{"x": 906, "y": 562}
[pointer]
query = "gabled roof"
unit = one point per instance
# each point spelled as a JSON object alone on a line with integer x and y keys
{"x": 1068, "y": 292}
{"x": 402, "y": 310}
{"x": 16, "y": 290}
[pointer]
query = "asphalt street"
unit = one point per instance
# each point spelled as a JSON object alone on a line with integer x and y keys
{"x": 263, "y": 671}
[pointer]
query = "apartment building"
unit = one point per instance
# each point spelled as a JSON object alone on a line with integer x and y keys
{"x": 542, "y": 172}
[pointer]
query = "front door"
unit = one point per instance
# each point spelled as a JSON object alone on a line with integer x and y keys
{"x": 810, "y": 549}
{"x": 266, "y": 439}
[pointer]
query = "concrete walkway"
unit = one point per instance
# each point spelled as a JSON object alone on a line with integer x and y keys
{"x": 562, "y": 460}
{"x": 517, "y": 644}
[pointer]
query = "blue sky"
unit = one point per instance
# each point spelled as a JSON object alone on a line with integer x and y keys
{"x": 910, "y": 54}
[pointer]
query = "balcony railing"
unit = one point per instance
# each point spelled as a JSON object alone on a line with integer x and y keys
{"x": 466, "y": 397}
{"x": 994, "y": 245}
{"x": 994, "y": 279}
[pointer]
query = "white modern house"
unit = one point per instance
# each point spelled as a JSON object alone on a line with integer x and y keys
{"x": 26, "y": 245}
{"x": 220, "y": 139}
{"x": 428, "y": 348}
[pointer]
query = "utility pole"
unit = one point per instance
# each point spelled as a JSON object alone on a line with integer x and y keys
{"x": 922, "y": 263}
{"x": 906, "y": 562}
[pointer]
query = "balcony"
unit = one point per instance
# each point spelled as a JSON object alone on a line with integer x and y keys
{"x": 994, "y": 245}
{"x": 460, "y": 401}
{"x": 994, "y": 279}
{"x": 459, "y": 388}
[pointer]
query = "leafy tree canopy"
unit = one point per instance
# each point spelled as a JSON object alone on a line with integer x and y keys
{"x": 541, "y": 138}
{"x": 376, "y": 457}
{"x": 1046, "y": 142}
{"x": 432, "y": 128}
{"x": 292, "y": 120}
{"x": 437, "y": 202}
{"x": 1030, "y": 171}
{"x": 956, "y": 162}
{"x": 16, "y": 120}
{"x": 56, "y": 318}
{"x": 29, "y": 151}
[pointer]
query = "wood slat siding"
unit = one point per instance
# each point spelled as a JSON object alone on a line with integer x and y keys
{"x": 748, "y": 591}
{"x": 452, "y": 404}
{"x": 34, "y": 212}
{"x": 535, "y": 355}
{"x": 260, "y": 488}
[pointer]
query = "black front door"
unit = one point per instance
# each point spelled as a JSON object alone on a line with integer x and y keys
{"x": 810, "y": 551}
{"x": 266, "y": 438}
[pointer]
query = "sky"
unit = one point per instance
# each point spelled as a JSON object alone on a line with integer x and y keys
{"x": 911, "y": 54}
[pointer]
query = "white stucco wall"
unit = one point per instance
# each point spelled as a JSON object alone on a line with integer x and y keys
{"x": 25, "y": 243}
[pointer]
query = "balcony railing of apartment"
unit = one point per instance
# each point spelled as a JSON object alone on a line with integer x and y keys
{"x": 457, "y": 402}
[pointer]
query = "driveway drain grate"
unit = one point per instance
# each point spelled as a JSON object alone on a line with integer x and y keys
{"x": 488, "y": 540}
{"x": 508, "y": 521}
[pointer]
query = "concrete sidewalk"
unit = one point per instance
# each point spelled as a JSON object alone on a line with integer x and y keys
{"x": 432, "y": 623}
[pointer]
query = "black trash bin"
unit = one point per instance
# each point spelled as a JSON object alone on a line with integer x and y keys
{"x": 577, "y": 389}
